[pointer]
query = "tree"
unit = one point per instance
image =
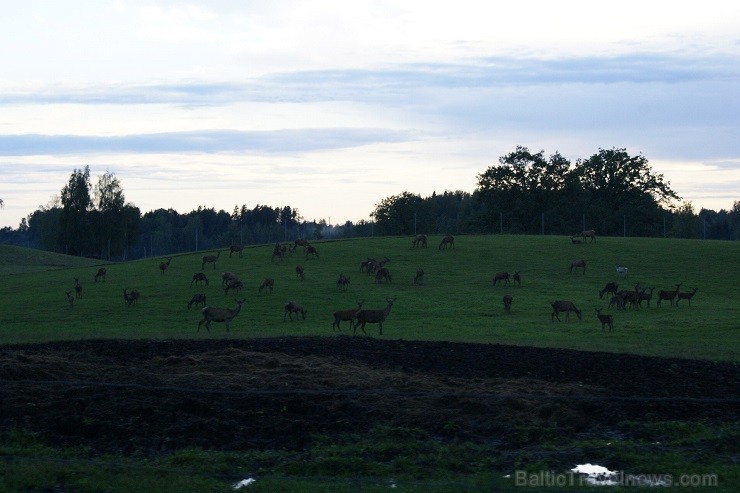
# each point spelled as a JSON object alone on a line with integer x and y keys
{"x": 110, "y": 225}
{"x": 402, "y": 214}
{"x": 76, "y": 203}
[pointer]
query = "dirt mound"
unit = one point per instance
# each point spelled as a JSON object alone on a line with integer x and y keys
{"x": 127, "y": 396}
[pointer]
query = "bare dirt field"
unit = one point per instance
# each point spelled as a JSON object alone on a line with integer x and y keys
{"x": 276, "y": 393}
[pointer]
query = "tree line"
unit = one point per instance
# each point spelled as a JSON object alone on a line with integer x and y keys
{"x": 611, "y": 192}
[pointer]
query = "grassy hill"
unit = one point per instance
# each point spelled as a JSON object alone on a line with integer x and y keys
{"x": 457, "y": 302}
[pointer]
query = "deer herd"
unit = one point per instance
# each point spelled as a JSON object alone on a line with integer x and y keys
{"x": 359, "y": 317}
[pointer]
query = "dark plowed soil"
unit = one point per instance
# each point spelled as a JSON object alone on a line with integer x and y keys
{"x": 151, "y": 396}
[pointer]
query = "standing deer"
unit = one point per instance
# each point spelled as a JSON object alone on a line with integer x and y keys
{"x": 382, "y": 273}
{"x": 609, "y": 288}
{"x": 268, "y": 284}
{"x": 420, "y": 241}
{"x": 292, "y": 307}
{"x": 234, "y": 284}
{"x": 210, "y": 259}
{"x": 686, "y": 296}
{"x": 419, "y": 277}
{"x": 668, "y": 295}
{"x": 78, "y": 288}
{"x": 100, "y": 274}
{"x": 589, "y": 233}
{"x": 278, "y": 252}
{"x": 214, "y": 314}
{"x": 606, "y": 320}
{"x": 501, "y": 276}
{"x": 300, "y": 272}
{"x": 343, "y": 282}
{"x": 163, "y": 266}
{"x": 70, "y": 299}
{"x": 236, "y": 249}
{"x": 346, "y": 316}
{"x": 508, "y": 299}
{"x": 447, "y": 242}
{"x": 578, "y": 264}
{"x": 311, "y": 252}
{"x": 563, "y": 306}
{"x": 373, "y": 317}
{"x": 517, "y": 278}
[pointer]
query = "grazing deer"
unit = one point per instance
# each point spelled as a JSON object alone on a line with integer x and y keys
{"x": 311, "y": 252}
{"x": 268, "y": 284}
{"x": 447, "y": 242}
{"x": 346, "y": 316}
{"x": 277, "y": 252}
{"x": 226, "y": 277}
{"x": 198, "y": 278}
{"x": 609, "y": 288}
{"x": 686, "y": 296}
{"x": 163, "y": 266}
{"x": 236, "y": 249}
{"x": 366, "y": 264}
{"x": 100, "y": 274}
{"x": 225, "y": 315}
{"x": 292, "y": 307}
{"x": 197, "y": 299}
{"x": 210, "y": 259}
{"x": 508, "y": 299}
{"x": 578, "y": 264}
{"x": 234, "y": 284}
{"x": 301, "y": 243}
{"x": 517, "y": 278}
{"x": 589, "y": 233}
{"x": 668, "y": 295}
{"x": 419, "y": 277}
{"x": 70, "y": 299}
{"x": 501, "y": 276}
{"x": 563, "y": 306}
{"x": 300, "y": 272}
{"x": 383, "y": 273}
{"x": 343, "y": 282}
{"x": 78, "y": 288}
{"x": 373, "y": 317}
{"x": 420, "y": 241}
{"x": 606, "y": 320}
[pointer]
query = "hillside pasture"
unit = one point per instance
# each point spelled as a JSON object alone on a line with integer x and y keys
{"x": 457, "y": 301}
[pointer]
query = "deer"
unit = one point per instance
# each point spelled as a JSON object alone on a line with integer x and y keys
{"x": 645, "y": 297}
{"x": 78, "y": 289}
{"x": 575, "y": 240}
{"x": 311, "y": 252}
{"x": 292, "y": 307}
{"x": 301, "y": 243}
{"x": 214, "y": 314}
{"x": 300, "y": 272}
{"x": 578, "y": 264}
{"x": 346, "y": 316}
{"x": 197, "y": 299}
{"x": 100, "y": 274}
{"x": 70, "y": 299}
{"x": 621, "y": 270}
{"x": 268, "y": 284}
{"x": 419, "y": 277}
{"x": 236, "y": 249}
{"x": 226, "y": 277}
{"x": 668, "y": 295}
{"x": 447, "y": 242}
{"x": 198, "y": 278}
{"x": 617, "y": 301}
{"x": 382, "y": 273}
{"x": 501, "y": 276}
{"x": 563, "y": 306}
{"x": 373, "y": 317}
{"x": 508, "y": 299}
{"x": 517, "y": 278}
{"x": 632, "y": 297}
{"x": 420, "y": 241}
{"x": 210, "y": 259}
{"x": 234, "y": 284}
{"x": 343, "y": 282}
{"x": 163, "y": 266}
{"x": 130, "y": 298}
{"x": 686, "y": 296}
{"x": 589, "y": 233}
{"x": 278, "y": 251}
{"x": 606, "y": 320}
{"x": 609, "y": 288}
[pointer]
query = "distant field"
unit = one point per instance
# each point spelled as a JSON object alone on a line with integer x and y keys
{"x": 457, "y": 302}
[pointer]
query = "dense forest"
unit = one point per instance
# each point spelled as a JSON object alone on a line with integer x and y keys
{"x": 526, "y": 193}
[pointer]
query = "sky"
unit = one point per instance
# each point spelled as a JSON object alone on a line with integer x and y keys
{"x": 331, "y": 106}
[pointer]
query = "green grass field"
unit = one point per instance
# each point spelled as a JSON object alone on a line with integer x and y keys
{"x": 457, "y": 301}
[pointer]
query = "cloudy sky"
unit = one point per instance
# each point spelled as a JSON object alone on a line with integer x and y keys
{"x": 331, "y": 106}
